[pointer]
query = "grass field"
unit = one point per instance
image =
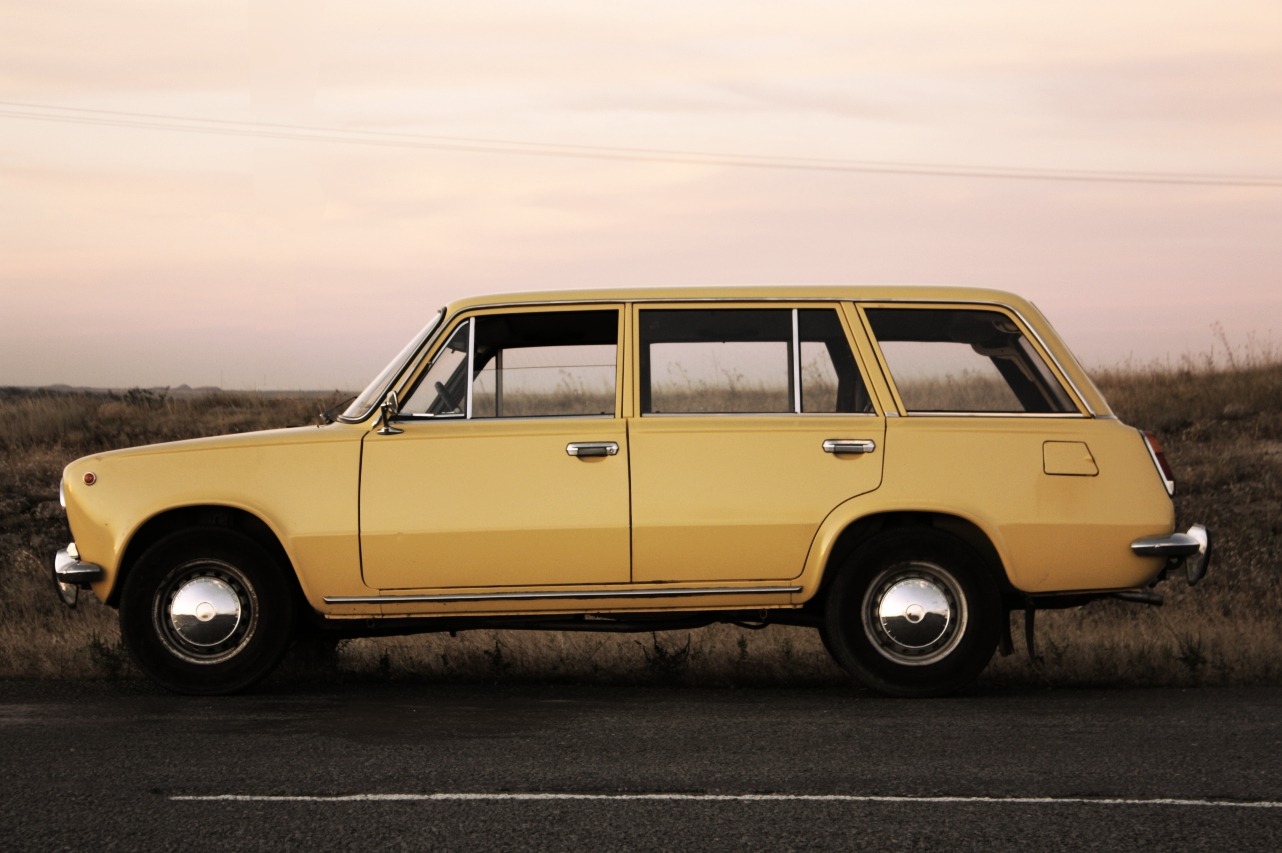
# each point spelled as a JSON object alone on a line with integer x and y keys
{"x": 1221, "y": 423}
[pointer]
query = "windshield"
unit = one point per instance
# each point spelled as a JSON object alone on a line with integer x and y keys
{"x": 373, "y": 393}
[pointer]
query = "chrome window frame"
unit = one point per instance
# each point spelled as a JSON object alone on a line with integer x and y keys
{"x": 471, "y": 367}
{"x": 796, "y": 362}
{"x": 470, "y": 317}
{"x": 794, "y": 358}
{"x": 1046, "y": 352}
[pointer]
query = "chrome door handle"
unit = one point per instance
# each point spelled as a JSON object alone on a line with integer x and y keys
{"x": 849, "y": 445}
{"x": 583, "y": 449}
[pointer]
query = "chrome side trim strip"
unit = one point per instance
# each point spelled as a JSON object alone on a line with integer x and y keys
{"x": 1041, "y": 415}
{"x": 585, "y": 595}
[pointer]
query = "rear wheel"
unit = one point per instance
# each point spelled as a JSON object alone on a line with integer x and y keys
{"x": 207, "y": 612}
{"x": 914, "y": 612}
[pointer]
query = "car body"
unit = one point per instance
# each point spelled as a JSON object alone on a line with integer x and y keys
{"x": 898, "y": 467}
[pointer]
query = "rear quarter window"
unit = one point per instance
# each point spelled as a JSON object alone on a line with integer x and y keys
{"x": 965, "y": 360}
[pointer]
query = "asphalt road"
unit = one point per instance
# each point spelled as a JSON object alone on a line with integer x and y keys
{"x": 106, "y": 766}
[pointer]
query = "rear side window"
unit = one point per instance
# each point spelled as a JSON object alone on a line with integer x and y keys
{"x": 747, "y": 360}
{"x": 945, "y": 360}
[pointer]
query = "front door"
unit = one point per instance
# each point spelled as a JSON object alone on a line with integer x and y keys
{"x": 511, "y": 469}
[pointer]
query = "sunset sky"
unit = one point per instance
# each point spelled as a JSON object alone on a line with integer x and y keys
{"x": 276, "y": 195}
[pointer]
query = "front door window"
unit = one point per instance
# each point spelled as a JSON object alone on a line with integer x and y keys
{"x": 540, "y": 364}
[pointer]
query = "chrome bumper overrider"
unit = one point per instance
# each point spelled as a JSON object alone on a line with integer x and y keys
{"x": 70, "y": 575}
{"x": 1177, "y": 548}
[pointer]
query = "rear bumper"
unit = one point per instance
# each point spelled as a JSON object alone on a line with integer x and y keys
{"x": 1177, "y": 548}
{"x": 70, "y": 575}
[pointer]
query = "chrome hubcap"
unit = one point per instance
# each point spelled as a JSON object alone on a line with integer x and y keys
{"x": 206, "y": 612}
{"x": 915, "y": 613}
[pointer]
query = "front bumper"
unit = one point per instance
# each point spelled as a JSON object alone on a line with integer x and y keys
{"x": 70, "y": 575}
{"x": 1177, "y": 548}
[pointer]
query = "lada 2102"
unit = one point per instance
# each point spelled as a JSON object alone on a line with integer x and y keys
{"x": 899, "y": 468}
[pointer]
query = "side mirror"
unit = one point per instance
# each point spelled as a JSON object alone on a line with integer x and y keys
{"x": 390, "y": 409}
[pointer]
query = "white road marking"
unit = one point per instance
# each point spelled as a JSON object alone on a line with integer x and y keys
{"x": 714, "y": 798}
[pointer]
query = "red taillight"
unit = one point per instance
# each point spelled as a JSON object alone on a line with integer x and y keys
{"x": 1159, "y": 459}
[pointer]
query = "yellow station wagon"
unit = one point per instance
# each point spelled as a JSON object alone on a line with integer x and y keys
{"x": 899, "y": 468}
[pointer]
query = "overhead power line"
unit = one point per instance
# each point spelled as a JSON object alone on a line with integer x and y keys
{"x": 333, "y": 135}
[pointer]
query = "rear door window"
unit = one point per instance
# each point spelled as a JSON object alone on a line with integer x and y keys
{"x": 748, "y": 361}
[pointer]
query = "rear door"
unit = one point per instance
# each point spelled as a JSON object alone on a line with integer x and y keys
{"x": 753, "y": 423}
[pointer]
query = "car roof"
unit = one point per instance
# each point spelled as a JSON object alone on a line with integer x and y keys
{"x": 890, "y": 293}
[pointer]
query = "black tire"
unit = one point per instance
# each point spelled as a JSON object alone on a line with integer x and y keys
{"x": 914, "y": 612}
{"x": 207, "y": 612}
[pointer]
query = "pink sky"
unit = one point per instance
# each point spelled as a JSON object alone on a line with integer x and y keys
{"x": 140, "y": 248}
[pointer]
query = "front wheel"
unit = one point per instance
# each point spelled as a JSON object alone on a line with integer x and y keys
{"x": 206, "y": 612}
{"x": 914, "y": 612}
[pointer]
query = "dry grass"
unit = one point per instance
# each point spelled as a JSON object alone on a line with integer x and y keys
{"x": 40, "y": 432}
{"x": 1221, "y": 423}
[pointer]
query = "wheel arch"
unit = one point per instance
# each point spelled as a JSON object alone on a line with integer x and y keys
{"x": 866, "y": 527}
{"x": 204, "y": 517}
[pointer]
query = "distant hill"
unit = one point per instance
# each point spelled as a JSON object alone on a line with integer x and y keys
{"x": 184, "y": 390}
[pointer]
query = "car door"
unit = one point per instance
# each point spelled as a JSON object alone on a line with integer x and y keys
{"x": 507, "y": 465}
{"x": 753, "y": 423}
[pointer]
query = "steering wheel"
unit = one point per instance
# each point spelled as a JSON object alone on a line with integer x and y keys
{"x": 445, "y": 395}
